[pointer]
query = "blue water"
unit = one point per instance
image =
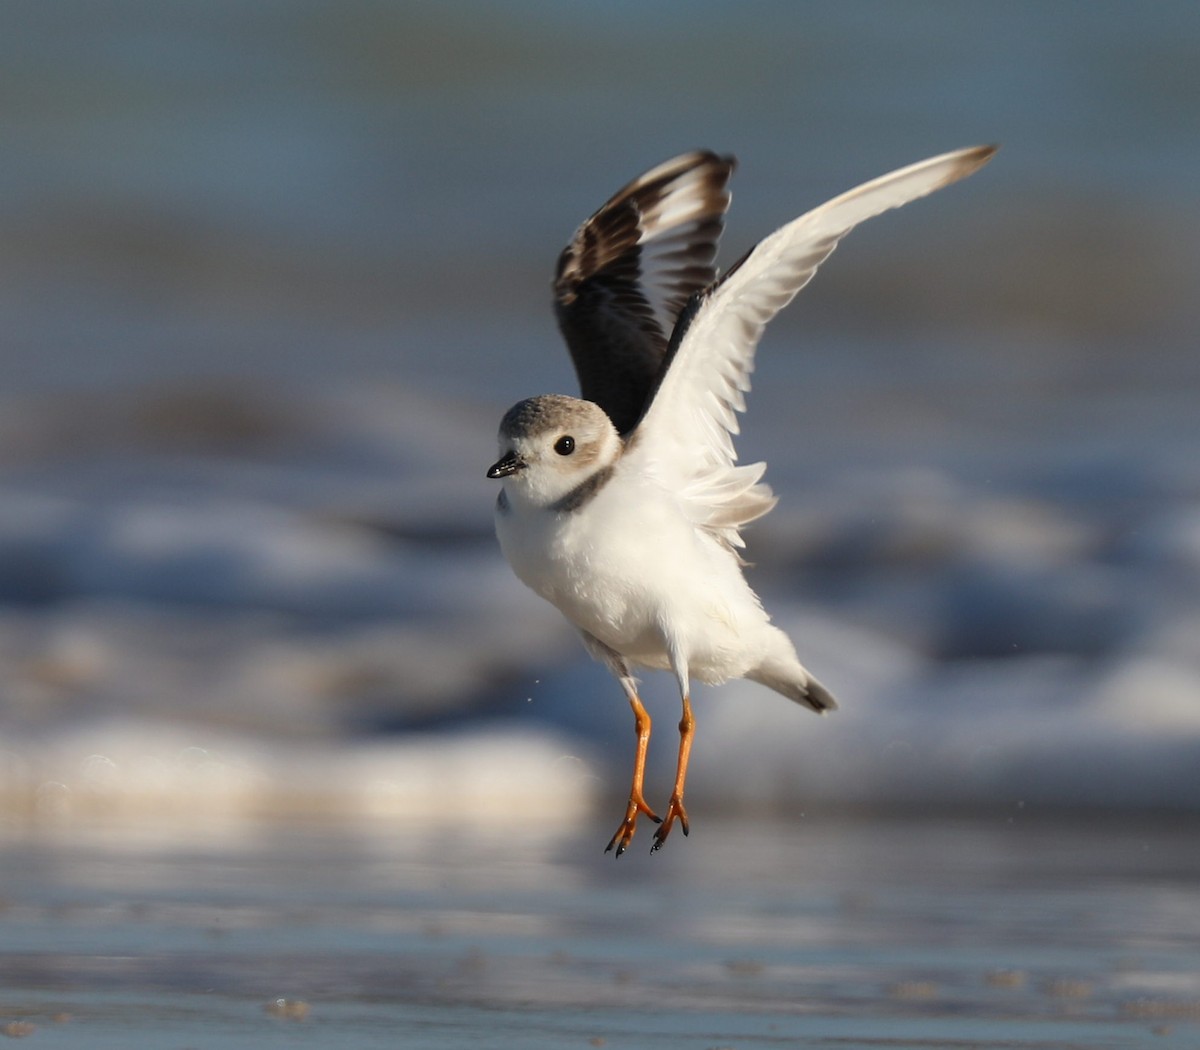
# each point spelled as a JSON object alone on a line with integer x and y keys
{"x": 306, "y": 190}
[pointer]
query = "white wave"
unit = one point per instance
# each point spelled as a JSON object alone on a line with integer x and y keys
{"x": 990, "y": 640}
{"x": 173, "y": 780}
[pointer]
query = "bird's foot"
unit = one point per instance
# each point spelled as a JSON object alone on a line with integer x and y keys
{"x": 620, "y": 841}
{"x": 675, "y": 811}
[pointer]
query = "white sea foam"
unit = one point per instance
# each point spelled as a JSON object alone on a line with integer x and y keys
{"x": 284, "y": 631}
{"x": 177, "y": 779}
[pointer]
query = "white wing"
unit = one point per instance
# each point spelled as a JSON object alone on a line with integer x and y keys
{"x": 685, "y": 435}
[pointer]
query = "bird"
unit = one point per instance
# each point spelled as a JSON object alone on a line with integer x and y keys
{"x": 624, "y": 507}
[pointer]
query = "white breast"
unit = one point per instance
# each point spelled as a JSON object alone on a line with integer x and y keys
{"x": 627, "y": 565}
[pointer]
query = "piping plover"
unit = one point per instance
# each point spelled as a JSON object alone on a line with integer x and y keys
{"x": 624, "y": 508}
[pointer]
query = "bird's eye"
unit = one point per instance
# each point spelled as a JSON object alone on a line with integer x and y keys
{"x": 564, "y": 446}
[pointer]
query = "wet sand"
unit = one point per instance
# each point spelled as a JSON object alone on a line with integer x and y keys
{"x": 1010, "y": 930}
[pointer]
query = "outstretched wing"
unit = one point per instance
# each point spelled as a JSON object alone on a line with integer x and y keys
{"x": 685, "y": 437}
{"x": 628, "y": 272}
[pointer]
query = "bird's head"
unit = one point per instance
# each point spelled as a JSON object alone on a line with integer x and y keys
{"x": 550, "y": 445}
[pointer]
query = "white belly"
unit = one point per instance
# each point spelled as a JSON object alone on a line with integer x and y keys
{"x": 630, "y": 572}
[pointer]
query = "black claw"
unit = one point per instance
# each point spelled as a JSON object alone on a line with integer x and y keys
{"x": 616, "y": 843}
{"x": 657, "y": 820}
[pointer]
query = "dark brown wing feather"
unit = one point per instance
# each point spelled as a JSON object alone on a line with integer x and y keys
{"x": 628, "y": 272}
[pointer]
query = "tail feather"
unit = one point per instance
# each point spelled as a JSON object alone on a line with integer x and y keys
{"x": 794, "y": 682}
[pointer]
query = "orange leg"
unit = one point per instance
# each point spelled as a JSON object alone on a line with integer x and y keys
{"x": 687, "y": 725}
{"x": 637, "y": 804}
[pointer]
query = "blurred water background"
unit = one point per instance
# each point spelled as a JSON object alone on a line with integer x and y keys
{"x": 273, "y": 271}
